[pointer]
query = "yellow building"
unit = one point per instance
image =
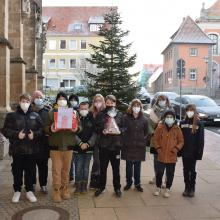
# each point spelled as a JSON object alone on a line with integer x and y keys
{"x": 70, "y": 30}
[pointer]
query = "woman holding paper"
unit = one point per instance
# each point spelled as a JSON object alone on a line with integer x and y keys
{"x": 61, "y": 126}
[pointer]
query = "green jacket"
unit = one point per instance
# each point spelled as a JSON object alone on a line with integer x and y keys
{"x": 61, "y": 140}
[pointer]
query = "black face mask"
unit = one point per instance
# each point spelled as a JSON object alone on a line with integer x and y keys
{"x": 110, "y": 108}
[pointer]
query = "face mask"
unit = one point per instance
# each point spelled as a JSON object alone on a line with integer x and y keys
{"x": 136, "y": 110}
{"x": 190, "y": 114}
{"x": 110, "y": 108}
{"x": 83, "y": 113}
{"x": 62, "y": 103}
{"x": 73, "y": 103}
{"x": 162, "y": 103}
{"x": 169, "y": 121}
{"x": 98, "y": 104}
{"x": 24, "y": 106}
{"x": 111, "y": 111}
{"x": 38, "y": 102}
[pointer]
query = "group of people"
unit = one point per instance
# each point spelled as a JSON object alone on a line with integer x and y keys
{"x": 106, "y": 134}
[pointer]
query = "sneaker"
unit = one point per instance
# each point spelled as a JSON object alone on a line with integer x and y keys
{"x": 157, "y": 191}
{"x": 44, "y": 190}
{"x": 127, "y": 187}
{"x": 118, "y": 192}
{"x": 139, "y": 188}
{"x": 31, "y": 197}
{"x": 166, "y": 193}
{"x": 16, "y": 197}
{"x": 99, "y": 192}
{"x": 153, "y": 181}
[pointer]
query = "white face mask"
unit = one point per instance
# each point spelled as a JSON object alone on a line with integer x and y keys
{"x": 136, "y": 110}
{"x": 98, "y": 104}
{"x": 169, "y": 121}
{"x": 190, "y": 114}
{"x": 83, "y": 113}
{"x": 62, "y": 103}
{"x": 112, "y": 113}
{"x": 162, "y": 103}
{"x": 24, "y": 106}
{"x": 73, "y": 103}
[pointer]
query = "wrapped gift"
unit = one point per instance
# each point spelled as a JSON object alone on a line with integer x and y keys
{"x": 111, "y": 126}
{"x": 65, "y": 118}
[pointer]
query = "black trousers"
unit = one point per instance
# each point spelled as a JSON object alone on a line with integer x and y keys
{"x": 189, "y": 172}
{"x": 170, "y": 169}
{"x": 23, "y": 165}
{"x": 42, "y": 166}
{"x": 105, "y": 156}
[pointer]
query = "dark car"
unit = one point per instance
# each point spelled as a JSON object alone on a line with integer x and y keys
{"x": 171, "y": 96}
{"x": 207, "y": 108}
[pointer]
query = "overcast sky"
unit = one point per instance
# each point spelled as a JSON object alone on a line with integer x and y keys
{"x": 150, "y": 22}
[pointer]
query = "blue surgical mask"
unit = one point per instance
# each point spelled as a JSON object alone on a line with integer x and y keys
{"x": 162, "y": 103}
{"x": 38, "y": 102}
{"x": 169, "y": 121}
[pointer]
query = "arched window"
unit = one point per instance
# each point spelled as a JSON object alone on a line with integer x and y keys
{"x": 214, "y": 38}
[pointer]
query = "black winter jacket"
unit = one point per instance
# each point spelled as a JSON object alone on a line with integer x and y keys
{"x": 110, "y": 141}
{"x": 44, "y": 144}
{"x": 193, "y": 143}
{"x": 134, "y": 138}
{"x": 17, "y": 121}
{"x": 86, "y": 134}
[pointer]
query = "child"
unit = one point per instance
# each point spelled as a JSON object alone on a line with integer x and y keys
{"x": 168, "y": 140}
{"x": 193, "y": 132}
{"x": 84, "y": 149}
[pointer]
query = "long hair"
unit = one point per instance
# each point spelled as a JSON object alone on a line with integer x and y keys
{"x": 93, "y": 109}
{"x": 195, "y": 117}
{"x": 133, "y": 102}
{"x": 163, "y": 97}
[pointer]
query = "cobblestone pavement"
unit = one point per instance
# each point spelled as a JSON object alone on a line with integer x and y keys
{"x": 135, "y": 205}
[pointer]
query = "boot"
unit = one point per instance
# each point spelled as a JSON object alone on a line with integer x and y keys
{"x": 78, "y": 188}
{"x": 56, "y": 196}
{"x": 84, "y": 187}
{"x": 186, "y": 191}
{"x": 65, "y": 192}
{"x": 94, "y": 182}
{"x": 191, "y": 191}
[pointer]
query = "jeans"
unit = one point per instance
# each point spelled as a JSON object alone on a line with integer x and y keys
{"x": 105, "y": 156}
{"x": 42, "y": 165}
{"x": 130, "y": 167}
{"x": 170, "y": 169}
{"x": 82, "y": 167}
{"x": 23, "y": 165}
{"x": 189, "y": 172}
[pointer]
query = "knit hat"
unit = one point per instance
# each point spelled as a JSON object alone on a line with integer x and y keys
{"x": 169, "y": 112}
{"x": 36, "y": 94}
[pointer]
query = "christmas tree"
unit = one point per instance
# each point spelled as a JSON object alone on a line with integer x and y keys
{"x": 111, "y": 57}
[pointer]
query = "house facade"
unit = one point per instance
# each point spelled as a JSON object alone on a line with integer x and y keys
{"x": 70, "y": 30}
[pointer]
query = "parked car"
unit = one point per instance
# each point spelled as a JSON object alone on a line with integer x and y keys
{"x": 207, "y": 108}
{"x": 171, "y": 96}
{"x": 144, "y": 96}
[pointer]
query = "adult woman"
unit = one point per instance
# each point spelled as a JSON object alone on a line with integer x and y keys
{"x": 134, "y": 143}
{"x": 98, "y": 105}
{"x": 61, "y": 142}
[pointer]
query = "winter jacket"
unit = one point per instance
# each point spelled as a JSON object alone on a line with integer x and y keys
{"x": 86, "y": 135}
{"x": 61, "y": 140}
{"x": 44, "y": 145}
{"x": 193, "y": 143}
{"x": 109, "y": 141}
{"x": 134, "y": 138}
{"x": 167, "y": 142}
{"x": 18, "y": 121}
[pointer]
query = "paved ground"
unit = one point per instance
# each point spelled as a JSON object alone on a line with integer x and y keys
{"x": 134, "y": 205}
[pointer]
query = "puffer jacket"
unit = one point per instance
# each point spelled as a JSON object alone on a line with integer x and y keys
{"x": 134, "y": 138}
{"x": 193, "y": 143}
{"x": 167, "y": 142}
{"x": 61, "y": 140}
{"x": 18, "y": 121}
{"x": 109, "y": 141}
